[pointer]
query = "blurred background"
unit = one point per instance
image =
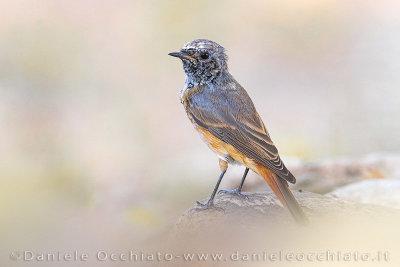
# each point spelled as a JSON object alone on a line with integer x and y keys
{"x": 95, "y": 147}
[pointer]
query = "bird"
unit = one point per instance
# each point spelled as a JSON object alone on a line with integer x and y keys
{"x": 224, "y": 115}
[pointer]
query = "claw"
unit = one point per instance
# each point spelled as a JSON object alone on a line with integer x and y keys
{"x": 208, "y": 205}
{"x": 235, "y": 192}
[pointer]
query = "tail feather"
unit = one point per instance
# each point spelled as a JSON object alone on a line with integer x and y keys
{"x": 282, "y": 191}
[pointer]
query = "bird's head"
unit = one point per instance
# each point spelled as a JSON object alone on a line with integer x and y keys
{"x": 203, "y": 60}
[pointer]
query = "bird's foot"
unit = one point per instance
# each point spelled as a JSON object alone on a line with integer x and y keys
{"x": 236, "y": 192}
{"x": 208, "y": 205}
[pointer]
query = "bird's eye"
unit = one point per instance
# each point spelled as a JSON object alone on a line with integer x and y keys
{"x": 204, "y": 55}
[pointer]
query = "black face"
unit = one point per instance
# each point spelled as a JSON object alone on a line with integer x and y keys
{"x": 204, "y": 68}
{"x": 203, "y": 60}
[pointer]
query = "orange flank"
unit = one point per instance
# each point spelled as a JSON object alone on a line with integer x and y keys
{"x": 278, "y": 185}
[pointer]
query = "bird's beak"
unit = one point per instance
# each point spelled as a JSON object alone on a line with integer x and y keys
{"x": 182, "y": 55}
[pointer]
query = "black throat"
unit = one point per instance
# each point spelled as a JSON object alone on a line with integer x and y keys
{"x": 203, "y": 72}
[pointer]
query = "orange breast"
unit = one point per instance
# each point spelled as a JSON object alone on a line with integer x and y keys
{"x": 222, "y": 149}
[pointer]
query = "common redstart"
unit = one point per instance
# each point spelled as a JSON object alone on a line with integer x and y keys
{"x": 222, "y": 112}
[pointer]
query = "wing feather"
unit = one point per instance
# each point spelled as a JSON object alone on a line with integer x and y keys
{"x": 239, "y": 125}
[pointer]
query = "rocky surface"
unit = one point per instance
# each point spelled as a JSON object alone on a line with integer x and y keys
{"x": 361, "y": 207}
{"x": 383, "y": 192}
{"x": 265, "y": 208}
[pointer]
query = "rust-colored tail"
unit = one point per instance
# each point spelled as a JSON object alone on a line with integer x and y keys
{"x": 282, "y": 191}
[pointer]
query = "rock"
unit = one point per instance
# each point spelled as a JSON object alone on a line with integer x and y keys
{"x": 251, "y": 228}
{"x": 384, "y": 192}
{"x": 265, "y": 208}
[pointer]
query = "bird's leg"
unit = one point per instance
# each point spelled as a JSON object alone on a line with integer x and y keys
{"x": 238, "y": 190}
{"x": 210, "y": 203}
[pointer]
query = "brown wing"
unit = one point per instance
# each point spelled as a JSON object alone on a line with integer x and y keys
{"x": 231, "y": 117}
